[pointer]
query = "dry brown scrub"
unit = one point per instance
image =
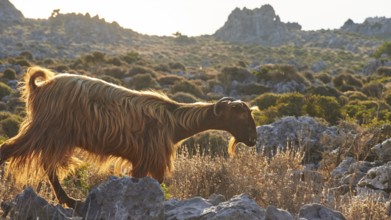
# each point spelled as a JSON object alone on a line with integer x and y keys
{"x": 274, "y": 181}
{"x": 270, "y": 181}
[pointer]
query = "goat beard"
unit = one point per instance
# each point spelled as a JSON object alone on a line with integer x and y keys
{"x": 232, "y": 146}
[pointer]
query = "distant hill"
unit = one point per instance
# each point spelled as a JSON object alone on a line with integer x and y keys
{"x": 70, "y": 35}
{"x": 9, "y": 14}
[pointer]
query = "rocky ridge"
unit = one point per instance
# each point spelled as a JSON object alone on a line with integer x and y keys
{"x": 70, "y": 35}
{"x": 263, "y": 26}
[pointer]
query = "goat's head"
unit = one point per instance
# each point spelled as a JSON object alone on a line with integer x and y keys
{"x": 236, "y": 118}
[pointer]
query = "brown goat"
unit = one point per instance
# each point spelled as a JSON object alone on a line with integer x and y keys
{"x": 68, "y": 114}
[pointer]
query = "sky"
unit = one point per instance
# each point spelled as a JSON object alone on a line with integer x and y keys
{"x": 200, "y": 17}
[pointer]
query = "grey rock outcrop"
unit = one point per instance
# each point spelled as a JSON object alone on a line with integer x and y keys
{"x": 378, "y": 178}
{"x": 130, "y": 198}
{"x": 297, "y": 132}
{"x": 319, "y": 212}
{"x": 125, "y": 198}
{"x": 9, "y": 14}
{"x": 273, "y": 213}
{"x": 383, "y": 150}
{"x": 238, "y": 207}
{"x": 28, "y": 205}
{"x": 260, "y": 25}
{"x": 375, "y": 26}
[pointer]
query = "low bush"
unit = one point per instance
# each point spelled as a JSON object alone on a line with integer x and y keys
{"x": 4, "y": 90}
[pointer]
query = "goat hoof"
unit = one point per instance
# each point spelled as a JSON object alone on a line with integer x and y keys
{"x": 75, "y": 204}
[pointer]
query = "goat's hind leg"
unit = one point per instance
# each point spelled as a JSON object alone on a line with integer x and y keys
{"x": 5, "y": 152}
{"x": 61, "y": 195}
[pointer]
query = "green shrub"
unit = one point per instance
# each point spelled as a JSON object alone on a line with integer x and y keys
{"x": 323, "y": 91}
{"x": 113, "y": 71}
{"x": 309, "y": 76}
{"x": 62, "y": 68}
{"x": 99, "y": 57}
{"x": 3, "y": 106}
{"x": 143, "y": 81}
{"x": 4, "y": 90}
{"x": 324, "y": 77}
{"x": 384, "y": 71}
{"x": 385, "y": 48}
{"x": 355, "y": 95}
{"x": 137, "y": 69}
{"x": 265, "y": 101}
{"x": 187, "y": 87}
{"x": 23, "y": 62}
{"x": 267, "y": 116}
{"x": 10, "y": 125}
{"x": 229, "y": 74}
{"x": 9, "y": 74}
{"x": 115, "y": 61}
{"x": 345, "y": 81}
{"x": 162, "y": 68}
{"x": 325, "y": 107}
{"x": 131, "y": 57}
{"x": 177, "y": 66}
{"x": 367, "y": 112}
{"x": 184, "y": 97}
{"x": 252, "y": 89}
{"x": 111, "y": 79}
{"x": 291, "y": 104}
{"x": 26, "y": 54}
{"x": 279, "y": 73}
{"x": 373, "y": 89}
{"x": 169, "y": 80}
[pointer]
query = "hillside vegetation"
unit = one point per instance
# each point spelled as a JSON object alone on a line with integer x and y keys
{"x": 343, "y": 87}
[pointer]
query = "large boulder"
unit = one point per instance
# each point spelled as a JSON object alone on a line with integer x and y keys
{"x": 125, "y": 198}
{"x": 319, "y": 212}
{"x": 296, "y": 132}
{"x": 28, "y": 205}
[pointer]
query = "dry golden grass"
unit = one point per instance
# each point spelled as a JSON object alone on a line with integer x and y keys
{"x": 278, "y": 181}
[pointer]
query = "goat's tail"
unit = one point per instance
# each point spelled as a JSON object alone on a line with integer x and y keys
{"x": 34, "y": 77}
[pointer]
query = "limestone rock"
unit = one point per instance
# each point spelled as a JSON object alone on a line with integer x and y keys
{"x": 383, "y": 150}
{"x": 273, "y": 213}
{"x": 28, "y": 205}
{"x": 9, "y": 14}
{"x": 378, "y": 178}
{"x": 238, "y": 207}
{"x": 260, "y": 25}
{"x": 295, "y": 132}
{"x": 319, "y": 212}
{"x": 125, "y": 198}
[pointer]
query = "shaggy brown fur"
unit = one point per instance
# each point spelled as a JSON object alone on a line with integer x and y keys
{"x": 68, "y": 114}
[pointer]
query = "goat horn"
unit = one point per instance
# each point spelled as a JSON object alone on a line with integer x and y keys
{"x": 220, "y": 101}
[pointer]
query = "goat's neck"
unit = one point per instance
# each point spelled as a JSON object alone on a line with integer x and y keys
{"x": 199, "y": 118}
